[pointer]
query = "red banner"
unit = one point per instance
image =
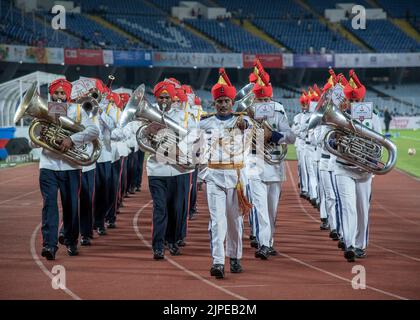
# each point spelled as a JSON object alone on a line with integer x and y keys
{"x": 85, "y": 57}
{"x": 274, "y": 61}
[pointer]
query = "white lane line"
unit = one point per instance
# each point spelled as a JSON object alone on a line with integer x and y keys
{"x": 17, "y": 197}
{"x": 42, "y": 266}
{"x": 176, "y": 264}
{"x": 409, "y": 138}
{"x": 395, "y": 252}
{"x": 320, "y": 269}
{"x": 408, "y": 175}
{"x": 17, "y": 178}
{"x": 247, "y": 286}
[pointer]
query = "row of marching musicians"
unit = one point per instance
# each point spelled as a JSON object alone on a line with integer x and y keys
{"x": 86, "y": 156}
{"x": 235, "y": 187}
{"x": 339, "y": 150}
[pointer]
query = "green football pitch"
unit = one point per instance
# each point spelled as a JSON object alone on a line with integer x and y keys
{"x": 404, "y": 139}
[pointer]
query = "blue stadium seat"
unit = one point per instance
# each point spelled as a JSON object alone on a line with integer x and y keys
{"x": 299, "y": 36}
{"x": 123, "y": 7}
{"x": 401, "y": 8}
{"x": 321, "y": 5}
{"x": 383, "y": 36}
{"x": 232, "y": 36}
{"x": 161, "y": 34}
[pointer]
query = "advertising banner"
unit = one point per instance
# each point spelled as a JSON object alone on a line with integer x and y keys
{"x": 377, "y": 60}
{"x": 132, "y": 58}
{"x": 313, "y": 60}
{"x": 267, "y": 60}
{"x": 405, "y": 123}
{"x": 198, "y": 60}
{"x": 86, "y": 57}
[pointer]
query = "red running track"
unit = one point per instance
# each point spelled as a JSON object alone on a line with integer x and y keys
{"x": 120, "y": 265}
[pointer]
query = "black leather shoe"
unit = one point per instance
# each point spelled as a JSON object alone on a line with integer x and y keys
{"x": 340, "y": 244}
{"x": 334, "y": 235}
{"x": 85, "y": 241}
{"x": 174, "y": 249}
{"x": 131, "y": 191}
{"x": 263, "y": 253}
{"x": 251, "y": 237}
{"x": 158, "y": 254}
{"x": 138, "y": 189}
{"x": 101, "y": 231}
{"x": 181, "y": 243}
{"x": 61, "y": 238}
{"x": 254, "y": 243}
{"x": 360, "y": 253}
{"x": 273, "y": 252}
{"x": 235, "y": 265}
{"x": 349, "y": 254}
{"x": 218, "y": 271}
{"x": 324, "y": 224}
{"x": 111, "y": 225}
{"x": 72, "y": 250}
{"x": 48, "y": 253}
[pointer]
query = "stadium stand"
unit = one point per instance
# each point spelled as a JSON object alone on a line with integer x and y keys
{"x": 383, "y": 36}
{"x": 161, "y": 33}
{"x": 232, "y": 36}
{"x": 401, "y": 8}
{"x": 137, "y": 7}
{"x": 320, "y": 5}
{"x": 300, "y": 35}
{"x": 27, "y": 29}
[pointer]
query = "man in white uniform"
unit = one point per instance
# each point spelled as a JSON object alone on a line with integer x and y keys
{"x": 354, "y": 184}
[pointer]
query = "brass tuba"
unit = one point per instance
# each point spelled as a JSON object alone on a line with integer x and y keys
{"x": 244, "y": 100}
{"x": 48, "y": 132}
{"x": 354, "y": 142}
{"x": 138, "y": 108}
{"x": 89, "y": 104}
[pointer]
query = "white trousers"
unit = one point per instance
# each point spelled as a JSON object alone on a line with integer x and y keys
{"x": 312, "y": 177}
{"x": 304, "y": 173}
{"x": 328, "y": 199}
{"x": 354, "y": 202}
{"x": 226, "y": 223}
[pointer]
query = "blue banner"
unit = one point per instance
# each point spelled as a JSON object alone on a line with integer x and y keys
{"x": 132, "y": 58}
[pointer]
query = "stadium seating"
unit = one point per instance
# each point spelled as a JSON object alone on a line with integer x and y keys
{"x": 123, "y": 7}
{"x": 264, "y": 8}
{"x": 95, "y": 34}
{"x": 321, "y": 5}
{"x": 28, "y": 30}
{"x": 160, "y": 33}
{"x": 383, "y": 36}
{"x": 232, "y": 36}
{"x": 299, "y": 35}
{"x": 401, "y": 8}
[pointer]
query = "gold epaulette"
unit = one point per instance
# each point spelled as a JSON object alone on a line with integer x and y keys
{"x": 207, "y": 115}
{"x": 240, "y": 113}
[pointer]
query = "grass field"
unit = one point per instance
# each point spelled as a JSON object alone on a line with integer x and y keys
{"x": 404, "y": 139}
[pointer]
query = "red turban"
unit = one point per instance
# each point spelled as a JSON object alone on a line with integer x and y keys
{"x": 354, "y": 89}
{"x": 187, "y": 89}
{"x": 63, "y": 83}
{"x": 116, "y": 98}
{"x": 263, "y": 91}
{"x": 223, "y": 88}
{"x": 303, "y": 99}
{"x": 124, "y": 97}
{"x": 197, "y": 101}
{"x": 182, "y": 96}
{"x": 164, "y": 87}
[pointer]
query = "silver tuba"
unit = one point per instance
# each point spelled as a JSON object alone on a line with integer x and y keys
{"x": 138, "y": 108}
{"x": 244, "y": 100}
{"x": 354, "y": 142}
{"x": 89, "y": 104}
{"x": 47, "y": 132}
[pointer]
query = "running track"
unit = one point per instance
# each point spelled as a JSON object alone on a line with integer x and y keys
{"x": 120, "y": 265}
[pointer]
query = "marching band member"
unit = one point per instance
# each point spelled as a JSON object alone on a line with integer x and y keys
{"x": 265, "y": 189}
{"x": 327, "y": 175}
{"x": 103, "y": 180}
{"x": 299, "y": 122}
{"x": 354, "y": 184}
{"x": 310, "y": 154}
{"x": 225, "y": 179}
{"x": 57, "y": 173}
{"x": 166, "y": 182}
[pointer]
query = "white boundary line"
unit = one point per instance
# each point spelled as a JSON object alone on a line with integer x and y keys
{"x": 320, "y": 269}
{"x": 176, "y": 264}
{"x": 17, "y": 197}
{"x": 42, "y": 266}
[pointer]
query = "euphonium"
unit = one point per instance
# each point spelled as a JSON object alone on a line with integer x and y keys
{"x": 138, "y": 108}
{"x": 244, "y": 100}
{"x": 354, "y": 142}
{"x": 48, "y": 132}
{"x": 89, "y": 104}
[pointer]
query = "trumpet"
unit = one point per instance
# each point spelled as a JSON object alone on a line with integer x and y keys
{"x": 243, "y": 103}
{"x": 48, "y": 132}
{"x": 90, "y": 105}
